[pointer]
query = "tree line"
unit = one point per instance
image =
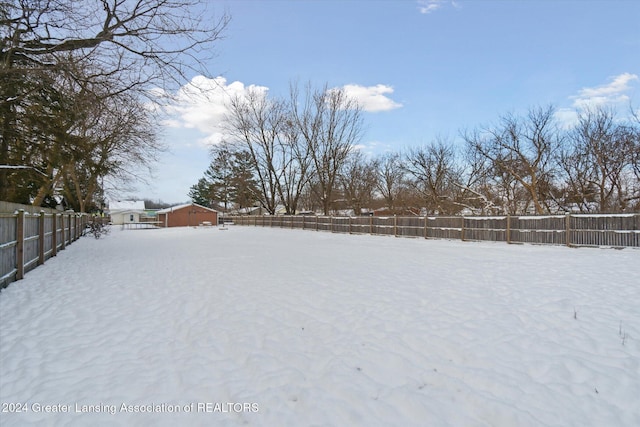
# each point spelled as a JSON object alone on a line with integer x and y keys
{"x": 74, "y": 78}
{"x": 300, "y": 154}
{"x": 74, "y": 122}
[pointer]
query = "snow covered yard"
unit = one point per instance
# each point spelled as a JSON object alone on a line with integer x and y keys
{"x": 270, "y": 327}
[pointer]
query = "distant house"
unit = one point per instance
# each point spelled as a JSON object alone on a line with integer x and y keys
{"x": 126, "y": 211}
{"x": 188, "y": 215}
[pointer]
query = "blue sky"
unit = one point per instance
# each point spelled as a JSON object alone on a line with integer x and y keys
{"x": 420, "y": 69}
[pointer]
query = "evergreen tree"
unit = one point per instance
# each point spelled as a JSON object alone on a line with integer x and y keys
{"x": 220, "y": 176}
{"x": 228, "y": 182}
{"x": 200, "y": 193}
{"x": 243, "y": 180}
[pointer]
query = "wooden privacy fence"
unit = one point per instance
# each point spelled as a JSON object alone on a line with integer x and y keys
{"x": 29, "y": 239}
{"x": 619, "y": 230}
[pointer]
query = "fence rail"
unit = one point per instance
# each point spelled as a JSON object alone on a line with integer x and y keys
{"x": 28, "y": 239}
{"x": 617, "y": 230}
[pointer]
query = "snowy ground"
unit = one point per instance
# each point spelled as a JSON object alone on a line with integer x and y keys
{"x": 271, "y": 327}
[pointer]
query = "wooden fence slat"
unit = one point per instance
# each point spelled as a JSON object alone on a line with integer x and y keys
{"x": 621, "y": 230}
{"x": 54, "y": 236}
{"x": 41, "y": 239}
{"x": 20, "y": 245}
{"x": 28, "y": 240}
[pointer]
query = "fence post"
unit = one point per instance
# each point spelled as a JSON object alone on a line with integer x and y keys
{"x": 331, "y": 224}
{"x": 395, "y": 225}
{"x": 20, "y": 245}
{"x": 69, "y": 234}
{"x": 349, "y": 224}
{"x": 63, "y": 240}
{"x": 54, "y": 236}
{"x": 426, "y": 219}
{"x": 41, "y": 239}
{"x": 567, "y": 228}
{"x": 508, "y": 228}
{"x": 462, "y": 229}
{"x": 371, "y": 224}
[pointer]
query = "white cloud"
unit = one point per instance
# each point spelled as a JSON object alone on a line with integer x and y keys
{"x": 372, "y": 98}
{"x": 610, "y": 94}
{"x": 202, "y": 104}
{"x": 614, "y": 94}
{"x": 566, "y": 117}
{"x": 371, "y": 148}
{"x": 429, "y": 6}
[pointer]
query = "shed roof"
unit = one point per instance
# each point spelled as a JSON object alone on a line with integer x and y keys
{"x": 186, "y": 205}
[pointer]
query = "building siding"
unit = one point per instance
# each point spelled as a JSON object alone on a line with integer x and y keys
{"x": 119, "y": 218}
{"x": 189, "y": 216}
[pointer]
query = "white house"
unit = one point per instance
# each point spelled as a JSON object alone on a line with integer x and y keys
{"x": 126, "y": 211}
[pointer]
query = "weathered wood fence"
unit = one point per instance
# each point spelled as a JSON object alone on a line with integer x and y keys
{"x": 620, "y": 230}
{"x": 28, "y": 239}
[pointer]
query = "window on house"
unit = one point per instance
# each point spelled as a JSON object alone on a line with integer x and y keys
{"x": 131, "y": 218}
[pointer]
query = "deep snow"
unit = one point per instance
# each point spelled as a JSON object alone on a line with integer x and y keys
{"x": 305, "y": 328}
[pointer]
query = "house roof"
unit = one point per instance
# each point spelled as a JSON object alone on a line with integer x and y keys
{"x": 126, "y": 205}
{"x": 186, "y": 205}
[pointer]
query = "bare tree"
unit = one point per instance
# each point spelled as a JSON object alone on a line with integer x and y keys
{"x": 478, "y": 194}
{"x": 434, "y": 171}
{"x": 81, "y": 136}
{"x": 635, "y": 152}
{"x": 577, "y": 172}
{"x": 391, "y": 182}
{"x": 521, "y": 150}
{"x": 111, "y": 140}
{"x": 296, "y": 167}
{"x": 330, "y": 123}
{"x": 138, "y": 41}
{"x": 598, "y": 162}
{"x": 106, "y": 46}
{"x": 255, "y": 122}
{"x": 358, "y": 181}
{"x": 269, "y": 131}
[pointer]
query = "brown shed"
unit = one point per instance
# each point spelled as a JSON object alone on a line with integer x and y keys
{"x": 189, "y": 215}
